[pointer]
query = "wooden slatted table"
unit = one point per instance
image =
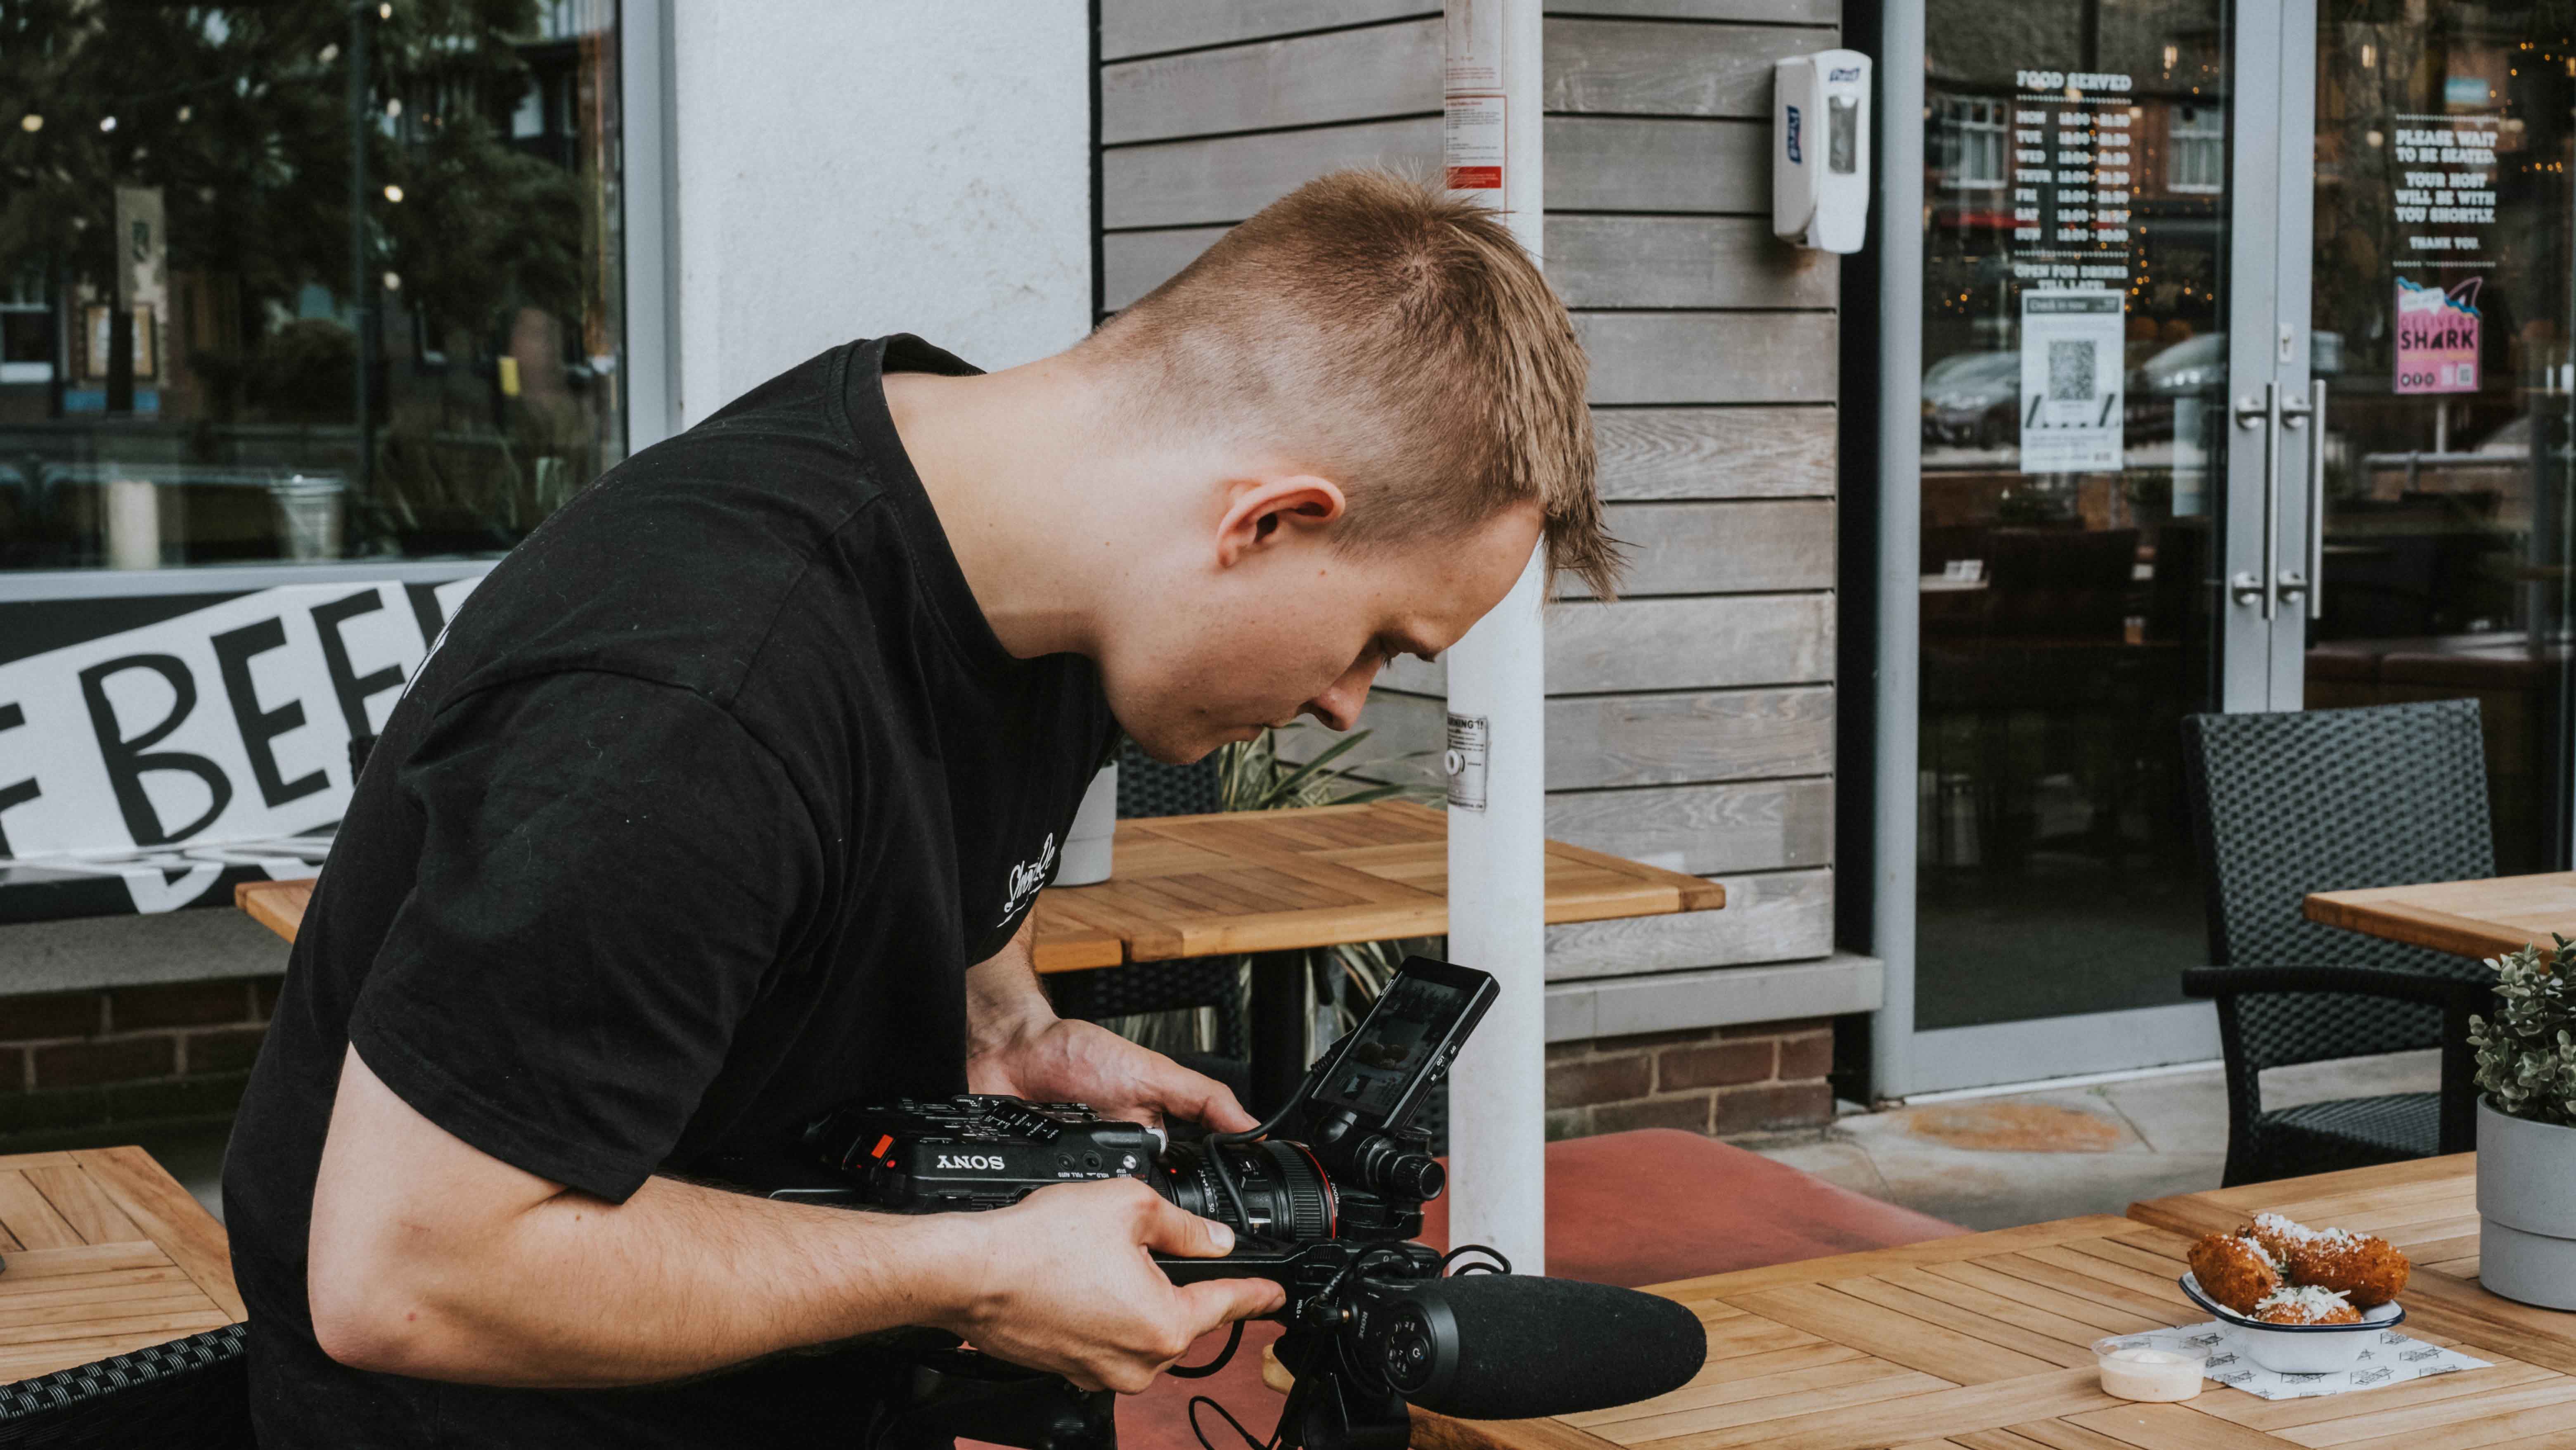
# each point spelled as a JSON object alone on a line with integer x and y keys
{"x": 106, "y": 1253}
{"x": 1269, "y": 883}
{"x": 1983, "y": 1343}
{"x": 1261, "y": 881}
{"x": 2484, "y": 918}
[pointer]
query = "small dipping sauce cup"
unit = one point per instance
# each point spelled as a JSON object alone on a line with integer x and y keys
{"x": 2142, "y": 1372}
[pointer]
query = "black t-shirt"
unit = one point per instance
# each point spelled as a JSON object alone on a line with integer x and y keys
{"x": 686, "y": 831}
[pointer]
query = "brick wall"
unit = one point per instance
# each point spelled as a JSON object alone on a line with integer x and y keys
{"x": 1715, "y": 1080}
{"x": 84, "y": 1065}
{"x": 80, "y": 1064}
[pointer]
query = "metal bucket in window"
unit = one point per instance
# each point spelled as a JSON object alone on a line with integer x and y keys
{"x": 310, "y": 508}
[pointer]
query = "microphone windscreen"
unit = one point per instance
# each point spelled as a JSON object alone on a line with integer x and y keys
{"x": 1516, "y": 1348}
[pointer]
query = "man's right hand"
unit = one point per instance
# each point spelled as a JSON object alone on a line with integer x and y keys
{"x": 1068, "y": 1284}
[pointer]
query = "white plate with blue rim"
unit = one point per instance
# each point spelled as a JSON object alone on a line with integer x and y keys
{"x": 2299, "y": 1348}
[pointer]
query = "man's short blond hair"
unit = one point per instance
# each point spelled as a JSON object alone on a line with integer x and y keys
{"x": 1394, "y": 338}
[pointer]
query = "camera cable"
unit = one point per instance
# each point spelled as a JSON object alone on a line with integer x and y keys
{"x": 1225, "y": 1356}
{"x": 1492, "y": 1261}
{"x": 1224, "y": 1171}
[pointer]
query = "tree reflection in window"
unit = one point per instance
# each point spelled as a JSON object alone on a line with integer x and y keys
{"x": 242, "y": 274}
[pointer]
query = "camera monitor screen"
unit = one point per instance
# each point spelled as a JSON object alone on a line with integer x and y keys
{"x": 1427, "y": 1009}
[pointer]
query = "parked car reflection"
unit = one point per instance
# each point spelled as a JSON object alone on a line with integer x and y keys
{"x": 1973, "y": 398}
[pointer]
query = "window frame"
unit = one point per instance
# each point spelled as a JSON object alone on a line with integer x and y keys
{"x": 1958, "y": 122}
{"x": 2203, "y": 142}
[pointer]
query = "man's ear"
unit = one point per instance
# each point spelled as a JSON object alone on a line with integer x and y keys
{"x": 1259, "y": 512}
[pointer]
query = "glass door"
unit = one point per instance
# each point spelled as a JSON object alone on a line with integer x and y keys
{"x": 2092, "y": 235}
{"x": 2440, "y": 302}
{"x": 2246, "y": 332}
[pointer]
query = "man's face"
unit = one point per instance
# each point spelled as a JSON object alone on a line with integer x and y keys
{"x": 1297, "y": 627}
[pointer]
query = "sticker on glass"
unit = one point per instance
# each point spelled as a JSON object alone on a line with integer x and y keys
{"x": 2071, "y": 380}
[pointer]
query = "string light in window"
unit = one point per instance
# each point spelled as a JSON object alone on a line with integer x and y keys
{"x": 393, "y": 193}
{"x": 393, "y": 281}
{"x": 107, "y": 123}
{"x": 31, "y": 123}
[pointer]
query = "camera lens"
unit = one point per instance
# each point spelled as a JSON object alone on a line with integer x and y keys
{"x": 1285, "y": 1193}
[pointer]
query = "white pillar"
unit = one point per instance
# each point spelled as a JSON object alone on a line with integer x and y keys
{"x": 1497, "y": 809}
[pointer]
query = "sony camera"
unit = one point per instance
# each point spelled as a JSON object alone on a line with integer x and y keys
{"x": 1339, "y": 1172}
{"x": 1325, "y": 1199}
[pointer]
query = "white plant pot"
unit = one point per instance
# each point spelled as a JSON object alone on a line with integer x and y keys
{"x": 2527, "y": 1199}
{"x": 1087, "y": 845}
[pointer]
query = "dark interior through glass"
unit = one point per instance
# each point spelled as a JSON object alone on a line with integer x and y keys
{"x": 303, "y": 279}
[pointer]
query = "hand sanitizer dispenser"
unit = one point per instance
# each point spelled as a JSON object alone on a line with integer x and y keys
{"x": 1820, "y": 150}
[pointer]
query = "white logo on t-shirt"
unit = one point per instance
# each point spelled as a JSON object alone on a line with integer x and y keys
{"x": 1026, "y": 878}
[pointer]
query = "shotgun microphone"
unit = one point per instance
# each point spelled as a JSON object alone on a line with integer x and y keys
{"x": 1505, "y": 1347}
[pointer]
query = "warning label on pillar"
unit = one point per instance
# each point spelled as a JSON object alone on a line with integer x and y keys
{"x": 1465, "y": 761}
{"x": 1472, "y": 48}
{"x": 1472, "y": 145}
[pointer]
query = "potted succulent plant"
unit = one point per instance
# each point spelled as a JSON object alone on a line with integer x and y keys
{"x": 2527, "y": 1129}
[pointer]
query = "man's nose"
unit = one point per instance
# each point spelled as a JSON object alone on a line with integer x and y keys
{"x": 1339, "y": 707}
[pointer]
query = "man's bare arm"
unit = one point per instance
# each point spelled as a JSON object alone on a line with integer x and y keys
{"x": 1016, "y": 1044}
{"x": 1004, "y": 1002}
{"x": 431, "y": 1258}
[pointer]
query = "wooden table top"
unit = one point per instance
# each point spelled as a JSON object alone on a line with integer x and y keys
{"x": 2485, "y": 918}
{"x": 1983, "y": 1343}
{"x": 106, "y": 1253}
{"x": 1261, "y": 881}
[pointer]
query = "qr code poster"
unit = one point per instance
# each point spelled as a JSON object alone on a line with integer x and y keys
{"x": 2070, "y": 380}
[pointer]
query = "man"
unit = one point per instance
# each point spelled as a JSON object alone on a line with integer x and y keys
{"x": 725, "y": 798}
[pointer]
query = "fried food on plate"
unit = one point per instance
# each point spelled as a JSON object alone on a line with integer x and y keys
{"x": 2306, "y": 1304}
{"x": 2366, "y": 1270}
{"x": 2276, "y": 1234}
{"x": 2234, "y": 1271}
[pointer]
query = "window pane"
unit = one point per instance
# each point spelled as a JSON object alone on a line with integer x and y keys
{"x": 251, "y": 310}
{"x": 2073, "y": 446}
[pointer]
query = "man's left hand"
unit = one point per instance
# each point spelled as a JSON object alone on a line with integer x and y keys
{"x": 1054, "y": 1060}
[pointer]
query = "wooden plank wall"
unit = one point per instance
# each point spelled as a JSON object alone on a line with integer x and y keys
{"x": 1692, "y": 721}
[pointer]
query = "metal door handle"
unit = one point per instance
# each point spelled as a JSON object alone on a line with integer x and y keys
{"x": 2316, "y": 421}
{"x": 2296, "y": 582}
{"x": 2263, "y": 586}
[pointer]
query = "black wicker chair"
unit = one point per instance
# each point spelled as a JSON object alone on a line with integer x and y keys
{"x": 193, "y": 1392}
{"x": 2324, "y": 800}
{"x": 1147, "y": 787}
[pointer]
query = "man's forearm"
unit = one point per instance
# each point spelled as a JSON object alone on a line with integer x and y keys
{"x": 678, "y": 1280}
{"x": 430, "y": 1258}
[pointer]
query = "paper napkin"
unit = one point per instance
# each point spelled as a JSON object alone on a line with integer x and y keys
{"x": 2389, "y": 1359}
